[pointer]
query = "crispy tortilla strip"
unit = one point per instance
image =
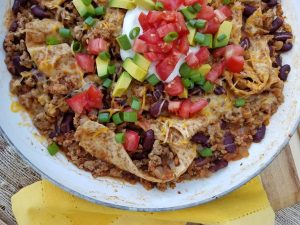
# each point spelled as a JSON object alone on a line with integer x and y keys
{"x": 53, "y": 60}
{"x": 237, "y": 23}
{"x": 51, "y": 4}
{"x": 258, "y": 74}
{"x": 100, "y": 142}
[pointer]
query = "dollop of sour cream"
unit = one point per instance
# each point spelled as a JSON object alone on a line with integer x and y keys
{"x": 131, "y": 21}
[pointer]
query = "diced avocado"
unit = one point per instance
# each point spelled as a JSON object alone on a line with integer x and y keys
{"x": 84, "y": 10}
{"x": 188, "y": 14}
{"x": 102, "y": 67}
{"x": 141, "y": 61}
{"x": 208, "y": 41}
{"x": 122, "y": 84}
{"x": 192, "y": 32}
{"x": 146, "y": 4}
{"x": 123, "y": 4}
{"x": 204, "y": 69}
{"x": 134, "y": 70}
{"x": 224, "y": 32}
{"x": 184, "y": 94}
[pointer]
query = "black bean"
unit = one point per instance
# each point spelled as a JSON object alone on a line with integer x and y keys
{"x": 228, "y": 142}
{"x": 271, "y": 50}
{"x": 248, "y": 10}
{"x": 245, "y": 43}
{"x": 17, "y": 65}
{"x": 139, "y": 155}
{"x": 14, "y": 26}
{"x": 67, "y": 123}
{"x": 17, "y": 5}
{"x": 148, "y": 140}
{"x": 38, "y": 12}
{"x": 276, "y": 24}
{"x": 286, "y": 47}
{"x": 282, "y": 36}
{"x": 260, "y": 134}
{"x": 219, "y": 90}
{"x": 284, "y": 72}
{"x": 200, "y": 161}
{"x": 202, "y": 139}
{"x": 219, "y": 164}
{"x": 157, "y": 108}
{"x": 278, "y": 61}
{"x": 272, "y": 3}
{"x": 132, "y": 126}
{"x": 158, "y": 91}
{"x": 224, "y": 125}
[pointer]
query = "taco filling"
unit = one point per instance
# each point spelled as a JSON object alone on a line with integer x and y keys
{"x": 154, "y": 92}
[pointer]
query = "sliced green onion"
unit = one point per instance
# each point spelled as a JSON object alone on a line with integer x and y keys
{"x": 159, "y": 6}
{"x": 52, "y": 40}
{"x": 136, "y": 103}
{"x": 172, "y": 36}
{"x": 153, "y": 80}
{"x": 124, "y": 42}
{"x": 226, "y": 2}
{"x": 206, "y": 152}
{"x": 104, "y": 56}
{"x": 120, "y": 138}
{"x": 76, "y": 46}
{"x": 90, "y": 21}
{"x": 134, "y": 33}
{"x": 100, "y": 11}
{"x": 187, "y": 14}
{"x": 208, "y": 87}
{"x": 197, "y": 7}
{"x": 130, "y": 117}
{"x": 53, "y": 149}
{"x": 185, "y": 70}
{"x": 221, "y": 37}
{"x": 117, "y": 118}
{"x": 239, "y": 102}
{"x": 65, "y": 33}
{"x": 208, "y": 40}
{"x": 198, "y": 78}
{"x": 111, "y": 69}
{"x": 103, "y": 117}
{"x": 186, "y": 82}
{"x": 107, "y": 83}
{"x": 200, "y": 24}
{"x": 87, "y": 2}
{"x": 191, "y": 9}
{"x": 199, "y": 38}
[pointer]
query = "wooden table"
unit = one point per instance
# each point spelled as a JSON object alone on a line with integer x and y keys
{"x": 281, "y": 179}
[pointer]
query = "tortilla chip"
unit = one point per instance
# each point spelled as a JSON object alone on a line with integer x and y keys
{"x": 100, "y": 142}
{"x": 51, "y": 4}
{"x": 237, "y": 23}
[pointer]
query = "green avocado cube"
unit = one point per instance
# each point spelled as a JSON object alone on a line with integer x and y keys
{"x": 122, "y": 84}
{"x": 123, "y": 4}
{"x": 204, "y": 69}
{"x": 84, "y": 10}
{"x": 134, "y": 70}
{"x": 102, "y": 67}
{"x": 192, "y": 32}
{"x": 223, "y": 35}
{"x": 146, "y": 4}
{"x": 141, "y": 61}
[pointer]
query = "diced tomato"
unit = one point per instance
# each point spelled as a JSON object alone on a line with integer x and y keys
{"x": 174, "y": 106}
{"x": 183, "y": 45}
{"x": 166, "y": 66}
{"x": 171, "y": 4}
{"x": 219, "y": 52}
{"x": 175, "y": 87}
{"x": 184, "y": 111}
{"x": 206, "y": 13}
{"x": 169, "y": 16}
{"x": 78, "y": 102}
{"x": 235, "y": 64}
{"x": 150, "y": 36}
{"x": 161, "y": 47}
{"x": 198, "y": 106}
{"x": 132, "y": 140}
{"x": 192, "y": 2}
{"x": 212, "y": 26}
{"x": 154, "y": 17}
{"x": 180, "y": 24}
{"x": 203, "y": 55}
{"x": 86, "y": 62}
{"x": 234, "y": 50}
{"x": 153, "y": 57}
{"x": 165, "y": 30}
{"x": 216, "y": 71}
{"x": 96, "y": 46}
{"x": 89, "y": 99}
{"x": 192, "y": 60}
{"x": 94, "y": 98}
{"x": 226, "y": 11}
{"x": 140, "y": 46}
{"x": 143, "y": 21}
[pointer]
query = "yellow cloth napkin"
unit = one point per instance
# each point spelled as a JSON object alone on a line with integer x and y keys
{"x": 45, "y": 204}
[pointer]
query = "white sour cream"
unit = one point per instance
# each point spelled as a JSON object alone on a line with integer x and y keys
{"x": 131, "y": 21}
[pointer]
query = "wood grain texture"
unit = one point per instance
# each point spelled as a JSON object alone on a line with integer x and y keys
{"x": 281, "y": 181}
